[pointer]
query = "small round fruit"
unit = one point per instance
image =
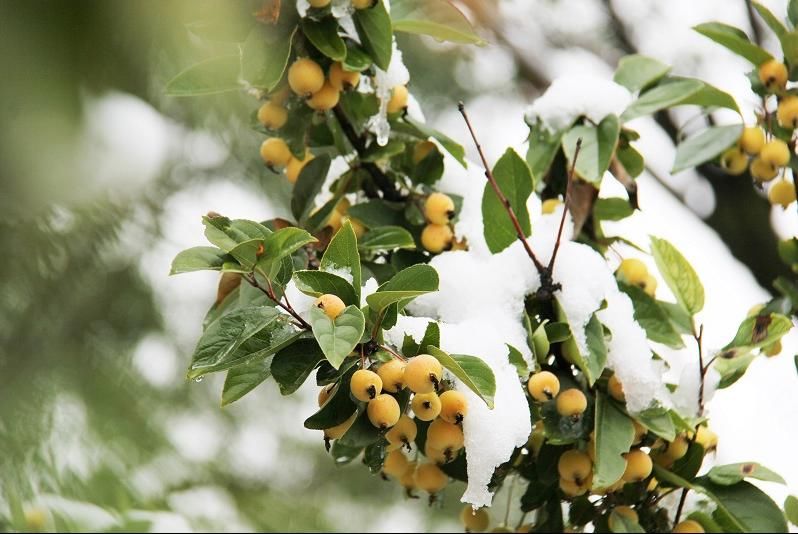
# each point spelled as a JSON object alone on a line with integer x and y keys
{"x": 454, "y": 406}
{"x": 572, "y": 489}
{"x": 275, "y": 152}
{"x": 773, "y": 75}
{"x": 365, "y": 385}
{"x": 325, "y": 393}
{"x": 325, "y": 98}
{"x": 426, "y": 406}
{"x": 280, "y": 95}
{"x": 422, "y": 149}
{"x": 331, "y": 305}
{"x": 272, "y": 116}
{"x": 782, "y": 193}
{"x": 753, "y": 138}
{"x": 423, "y": 373}
{"x": 788, "y": 112}
{"x": 445, "y": 436}
{"x": 543, "y": 386}
{"x": 571, "y": 403}
{"x": 763, "y": 171}
{"x": 334, "y": 221}
{"x": 408, "y": 478}
{"x": 774, "y": 349}
{"x": 633, "y": 271}
{"x": 776, "y": 153}
{"x": 575, "y": 466}
{"x": 402, "y": 433}
{"x": 436, "y": 455}
{"x": 319, "y": 3}
{"x": 430, "y": 478}
{"x": 550, "y": 206}
{"x": 638, "y": 466}
{"x": 341, "y": 78}
{"x": 439, "y": 208}
{"x": 628, "y": 512}
{"x": 734, "y": 161}
{"x": 398, "y": 100}
{"x": 305, "y": 77}
{"x": 295, "y": 167}
{"x": 474, "y": 520}
{"x": 337, "y": 431}
{"x": 706, "y": 438}
{"x": 649, "y": 285}
{"x": 362, "y": 4}
{"x": 640, "y": 432}
{"x": 615, "y": 389}
{"x": 677, "y": 448}
{"x": 392, "y": 374}
{"x": 395, "y": 464}
{"x": 437, "y": 237}
{"x": 383, "y": 411}
{"x": 688, "y": 525}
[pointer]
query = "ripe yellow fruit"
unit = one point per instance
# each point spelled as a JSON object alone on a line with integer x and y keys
{"x": 640, "y": 432}
{"x": 362, "y": 4}
{"x": 325, "y": 393}
{"x": 762, "y": 170}
{"x": 677, "y": 448}
{"x": 774, "y": 349}
{"x": 325, "y": 98}
{"x": 358, "y": 228}
{"x": 436, "y": 237}
{"x": 423, "y": 373}
{"x": 272, "y": 116}
{"x": 474, "y": 520}
{"x": 688, "y": 525}
{"x": 734, "y": 161}
{"x": 550, "y": 206}
{"x": 753, "y": 138}
{"x": 339, "y": 430}
{"x": 430, "y": 478}
{"x": 638, "y": 466}
{"x": 319, "y": 3}
{"x": 572, "y": 489}
{"x": 445, "y": 436}
{"x": 649, "y": 285}
{"x": 776, "y": 153}
{"x": 398, "y": 100}
{"x": 275, "y": 152}
{"x": 280, "y": 95}
{"x": 773, "y": 75}
{"x": 615, "y": 389}
{"x": 402, "y": 433}
{"x": 365, "y": 385}
{"x": 383, "y": 411}
{"x": 788, "y": 112}
{"x": 575, "y": 466}
{"x": 335, "y": 221}
{"x": 341, "y": 78}
{"x": 422, "y": 149}
{"x": 782, "y": 193}
{"x": 436, "y": 455}
{"x": 454, "y": 406}
{"x": 543, "y": 386}
{"x": 395, "y": 464}
{"x": 295, "y": 167}
{"x": 426, "y": 406}
{"x": 707, "y": 439}
{"x": 571, "y": 403}
{"x": 330, "y": 304}
{"x": 305, "y": 77}
{"x": 392, "y": 374}
{"x": 628, "y": 512}
{"x": 439, "y": 208}
{"x": 408, "y": 478}
{"x": 633, "y": 271}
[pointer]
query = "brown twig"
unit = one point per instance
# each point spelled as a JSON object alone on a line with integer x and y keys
{"x": 395, "y": 354}
{"x": 269, "y": 292}
{"x": 565, "y": 205}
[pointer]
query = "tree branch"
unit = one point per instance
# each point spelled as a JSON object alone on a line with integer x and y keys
{"x": 269, "y": 292}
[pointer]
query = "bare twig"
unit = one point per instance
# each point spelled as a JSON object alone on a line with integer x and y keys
{"x": 269, "y": 292}
{"x": 395, "y": 354}
{"x": 566, "y": 203}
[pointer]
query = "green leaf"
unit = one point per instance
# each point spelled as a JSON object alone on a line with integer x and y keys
{"x": 406, "y": 285}
{"x": 341, "y": 254}
{"x": 199, "y": 259}
{"x": 387, "y": 238}
{"x": 432, "y": 336}
{"x": 614, "y": 434}
{"x": 361, "y": 434}
{"x": 514, "y": 179}
{"x": 591, "y": 364}
{"x": 543, "y": 147}
{"x": 658, "y": 421}
{"x": 732, "y": 365}
{"x": 338, "y": 408}
{"x": 264, "y": 56}
{"x": 422, "y": 131}
{"x": 324, "y": 36}
{"x": 631, "y": 160}
{"x": 373, "y": 26}
{"x": 598, "y": 146}
{"x": 705, "y": 146}
{"x": 228, "y": 234}
{"x": 621, "y": 523}
{"x": 760, "y": 330}
{"x": 636, "y": 72}
{"x": 679, "y": 275}
{"x": 612, "y": 209}
{"x": 735, "y": 40}
{"x": 374, "y": 456}
{"x": 277, "y": 247}
{"x": 538, "y": 340}
{"x": 439, "y": 19}
{"x": 292, "y": 365}
{"x": 792, "y": 12}
{"x": 727, "y": 475}
{"x": 308, "y": 185}
{"x": 226, "y": 341}
{"x": 337, "y": 338}
{"x": 517, "y": 359}
{"x": 709, "y": 96}
{"x": 662, "y": 96}
{"x": 317, "y": 283}
{"x": 242, "y": 379}
{"x": 357, "y": 60}
{"x": 791, "y": 502}
{"x": 743, "y": 507}
{"x": 770, "y": 19}
{"x": 471, "y": 371}
{"x": 377, "y": 212}
{"x": 209, "y": 77}
{"x": 650, "y": 315}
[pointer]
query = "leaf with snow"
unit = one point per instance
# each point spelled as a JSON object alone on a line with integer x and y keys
{"x": 439, "y": 19}
{"x": 667, "y": 94}
{"x": 405, "y": 285}
{"x": 592, "y": 362}
{"x": 735, "y": 40}
{"x": 516, "y": 183}
{"x": 342, "y": 253}
{"x": 654, "y": 320}
{"x": 543, "y": 147}
{"x": 679, "y": 275}
{"x": 471, "y": 371}
{"x": 337, "y": 338}
{"x": 515, "y": 357}
{"x": 598, "y": 146}
{"x": 636, "y": 72}
{"x": 707, "y": 145}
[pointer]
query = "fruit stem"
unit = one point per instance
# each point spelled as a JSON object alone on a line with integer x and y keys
{"x": 269, "y": 292}
{"x": 566, "y": 203}
{"x": 395, "y": 354}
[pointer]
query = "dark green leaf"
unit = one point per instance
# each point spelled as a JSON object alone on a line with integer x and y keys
{"x": 439, "y": 19}
{"x": 543, "y": 147}
{"x": 514, "y": 179}
{"x": 373, "y": 25}
{"x": 338, "y": 408}
{"x": 264, "y": 56}
{"x": 357, "y": 59}
{"x": 279, "y": 246}
{"x": 324, "y": 36}
{"x": 361, "y": 434}
{"x": 727, "y": 475}
{"x": 432, "y": 337}
{"x": 308, "y": 185}
{"x": 199, "y": 259}
{"x": 614, "y": 434}
{"x": 517, "y": 359}
{"x": 636, "y": 72}
{"x": 650, "y": 315}
{"x": 598, "y": 146}
{"x": 317, "y": 283}
{"x": 292, "y": 365}
{"x": 228, "y": 234}
{"x": 406, "y": 285}
{"x": 631, "y": 160}
{"x": 735, "y": 40}
{"x": 387, "y": 238}
{"x": 612, "y": 209}
{"x": 242, "y": 379}
{"x": 423, "y": 131}
{"x": 377, "y": 212}
{"x": 472, "y": 371}
{"x": 679, "y": 275}
{"x": 709, "y": 96}
{"x": 705, "y": 146}
{"x": 743, "y": 507}
{"x": 209, "y": 77}
{"x": 374, "y": 456}
{"x": 337, "y": 338}
{"x": 342, "y": 254}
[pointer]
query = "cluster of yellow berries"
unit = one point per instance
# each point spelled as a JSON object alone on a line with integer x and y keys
{"x": 437, "y": 235}
{"x": 545, "y": 386}
{"x": 634, "y": 272}
{"x": 357, "y": 4}
{"x": 339, "y": 216}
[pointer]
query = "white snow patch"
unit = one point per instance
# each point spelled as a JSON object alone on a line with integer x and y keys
{"x": 384, "y": 81}
{"x": 342, "y": 271}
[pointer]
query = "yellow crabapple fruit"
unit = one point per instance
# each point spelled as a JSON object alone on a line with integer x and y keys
{"x": 423, "y": 373}
{"x": 337, "y": 431}
{"x": 687, "y": 526}
{"x": 365, "y": 385}
{"x": 335, "y": 221}
{"x": 330, "y": 304}
{"x": 362, "y": 4}
{"x": 272, "y": 116}
{"x": 474, "y": 520}
{"x": 787, "y": 113}
{"x": 706, "y": 438}
{"x": 550, "y": 205}
{"x": 395, "y": 464}
{"x": 436, "y": 237}
{"x": 439, "y": 208}
{"x": 325, "y": 393}
{"x": 677, "y": 448}
{"x": 776, "y": 153}
{"x": 295, "y": 166}
{"x": 341, "y": 78}
{"x": 763, "y": 171}
{"x": 422, "y": 149}
{"x": 430, "y": 478}
{"x": 402, "y": 433}
{"x": 398, "y": 100}
{"x": 408, "y": 478}
{"x": 319, "y": 3}
{"x": 638, "y": 465}
{"x": 752, "y": 140}
{"x": 649, "y": 285}
{"x": 734, "y": 161}
{"x": 343, "y": 206}
{"x": 426, "y": 406}
{"x": 571, "y": 403}
{"x": 575, "y": 466}
{"x": 383, "y": 411}
{"x": 573, "y": 489}
{"x": 454, "y": 406}
{"x": 628, "y": 512}
{"x": 325, "y": 98}
{"x": 392, "y": 374}
{"x": 615, "y": 388}
{"x": 543, "y": 386}
{"x": 640, "y": 432}
{"x": 305, "y": 76}
{"x": 445, "y": 436}
{"x": 436, "y": 455}
{"x": 781, "y": 192}
{"x": 633, "y": 271}
{"x": 773, "y": 75}
{"x": 275, "y": 152}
